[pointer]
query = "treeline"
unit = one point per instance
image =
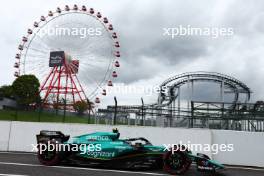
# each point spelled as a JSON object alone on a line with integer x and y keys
{"x": 24, "y": 90}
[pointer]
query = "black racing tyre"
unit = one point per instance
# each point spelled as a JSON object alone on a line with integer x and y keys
{"x": 46, "y": 157}
{"x": 176, "y": 163}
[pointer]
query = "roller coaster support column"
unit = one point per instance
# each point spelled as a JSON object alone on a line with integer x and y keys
{"x": 192, "y": 114}
{"x": 191, "y": 101}
{"x": 143, "y": 118}
{"x": 192, "y": 90}
{"x": 172, "y": 113}
{"x": 179, "y": 102}
{"x": 188, "y": 97}
{"x": 222, "y": 87}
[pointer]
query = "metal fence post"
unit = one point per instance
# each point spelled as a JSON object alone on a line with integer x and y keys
{"x": 114, "y": 121}
{"x": 143, "y": 119}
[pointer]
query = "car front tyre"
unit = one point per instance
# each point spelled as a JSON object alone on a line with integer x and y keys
{"x": 176, "y": 163}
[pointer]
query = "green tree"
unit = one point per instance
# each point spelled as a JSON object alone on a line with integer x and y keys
{"x": 6, "y": 91}
{"x": 80, "y": 106}
{"x": 26, "y": 90}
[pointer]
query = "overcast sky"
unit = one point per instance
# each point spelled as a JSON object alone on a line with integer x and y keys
{"x": 148, "y": 57}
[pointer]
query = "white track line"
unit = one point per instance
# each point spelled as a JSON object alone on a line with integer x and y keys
{"x": 245, "y": 168}
{"x": 11, "y": 175}
{"x": 18, "y": 153}
{"x": 240, "y": 167}
{"x": 80, "y": 168}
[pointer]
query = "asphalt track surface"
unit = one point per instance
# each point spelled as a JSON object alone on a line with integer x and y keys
{"x": 26, "y": 164}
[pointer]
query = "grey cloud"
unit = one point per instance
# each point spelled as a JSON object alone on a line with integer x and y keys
{"x": 146, "y": 53}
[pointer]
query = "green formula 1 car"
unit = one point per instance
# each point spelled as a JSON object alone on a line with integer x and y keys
{"x": 105, "y": 149}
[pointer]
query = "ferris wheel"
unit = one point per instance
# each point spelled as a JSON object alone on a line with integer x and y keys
{"x": 73, "y": 51}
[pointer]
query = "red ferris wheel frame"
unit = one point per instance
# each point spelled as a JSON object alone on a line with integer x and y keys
{"x": 63, "y": 80}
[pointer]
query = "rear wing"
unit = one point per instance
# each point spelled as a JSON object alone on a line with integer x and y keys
{"x": 46, "y": 135}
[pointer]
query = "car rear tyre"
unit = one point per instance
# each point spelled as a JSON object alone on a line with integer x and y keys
{"x": 48, "y": 157}
{"x": 176, "y": 163}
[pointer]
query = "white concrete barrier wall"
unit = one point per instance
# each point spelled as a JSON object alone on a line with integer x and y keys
{"x": 4, "y": 135}
{"x": 248, "y": 146}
